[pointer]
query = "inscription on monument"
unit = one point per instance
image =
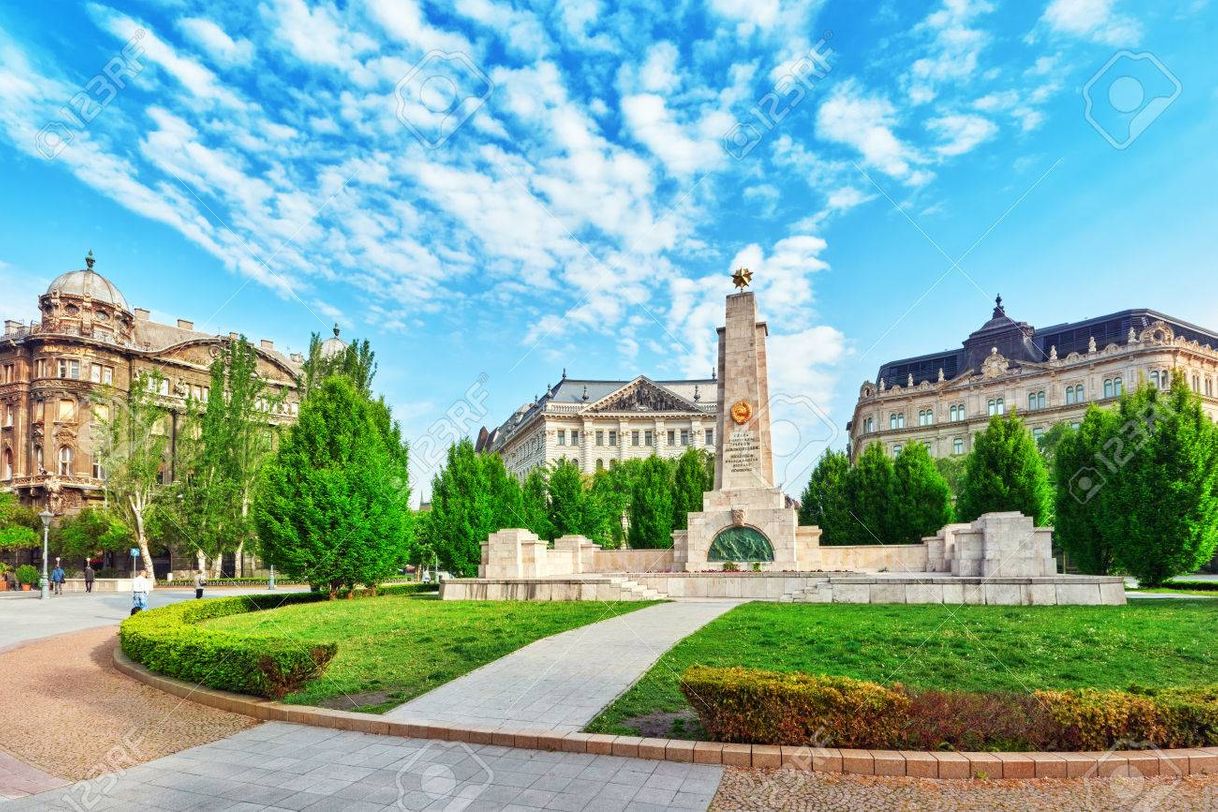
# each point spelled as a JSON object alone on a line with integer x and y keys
{"x": 742, "y": 453}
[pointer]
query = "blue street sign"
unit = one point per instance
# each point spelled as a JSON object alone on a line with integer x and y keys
{"x": 135, "y": 552}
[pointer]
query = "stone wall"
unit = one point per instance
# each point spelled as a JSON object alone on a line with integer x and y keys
{"x": 632, "y": 561}
{"x": 874, "y": 558}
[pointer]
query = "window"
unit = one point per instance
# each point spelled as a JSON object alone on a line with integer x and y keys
{"x": 1036, "y": 400}
{"x": 600, "y": 465}
{"x": 869, "y": 425}
{"x": 926, "y": 417}
{"x": 69, "y": 368}
{"x": 684, "y": 436}
{"x": 710, "y": 436}
{"x": 95, "y": 373}
{"x": 896, "y": 449}
{"x": 649, "y": 438}
{"x": 896, "y": 420}
{"x": 1196, "y": 383}
{"x": 672, "y": 437}
{"x": 635, "y": 439}
{"x": 958, "y": 446}
{"x": 65, "y": 461}
{"x": 67, "y": 410}
{"x": 953, "y": 413}
{"x": 1112, "y": 387}
{"x": 8, "y": 373}
{"x": 1037, "y": 433}
{"x": 8, "y": 463}
{"x": 600, "y": 438}
{"x": 8, "y": 414}
{"x": 108, "y": 375}
{"x": 1209, "y": 386}
{"x": 996, "y": 406}
{"x": 1154, "y": 377}
{"x": 612, "y": 438}
{"x": 39, "y": 410}
{"x": 163, "y": 389}
{"x": 40, "y": 368}
{"x": 98, "y": 471}
{"x": 38, "y": 469}
{"x": 562, "y": 436}
{"x": 101, "y": 413}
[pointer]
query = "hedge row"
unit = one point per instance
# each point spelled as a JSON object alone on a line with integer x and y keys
{"x": 281, "y": 581}
{"x": 170, "y": 641}
{"x": 766, "y": 707}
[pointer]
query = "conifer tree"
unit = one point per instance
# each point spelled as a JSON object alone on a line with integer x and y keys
{"x": 1078, "y": 525}
{"x": 870, "y": 496}
{"x": 922, "y": 505}
{"x": 651, "y": 506}
{"x": 823, "y": 502}
{"x": 1005, "y": 472}
{"x": 689, "y": 484}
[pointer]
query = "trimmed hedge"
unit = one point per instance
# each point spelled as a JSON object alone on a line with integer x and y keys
{"x": 169, "y": 641}
{"x": 767, "y": 707}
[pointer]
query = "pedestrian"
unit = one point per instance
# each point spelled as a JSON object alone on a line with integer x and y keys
{"x": 139, "y": 593}
{"x": 90, "y": 577}
{"x": 57, "y": 577}
{"x": 200, "y": 582}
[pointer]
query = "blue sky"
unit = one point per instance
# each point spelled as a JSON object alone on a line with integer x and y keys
{"x": 494, "y": 191}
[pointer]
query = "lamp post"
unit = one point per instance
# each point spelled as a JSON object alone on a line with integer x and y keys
{"x": 46, "y": 517}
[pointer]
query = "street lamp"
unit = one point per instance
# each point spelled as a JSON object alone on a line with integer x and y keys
{"x": 46, "y": 517}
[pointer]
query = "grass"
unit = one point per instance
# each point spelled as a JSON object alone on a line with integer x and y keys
{"x": 392, "y": 649}
{"x": 971, "y": 648}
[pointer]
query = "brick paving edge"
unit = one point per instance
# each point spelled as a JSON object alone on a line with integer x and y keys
{"x": 946, "y": 765}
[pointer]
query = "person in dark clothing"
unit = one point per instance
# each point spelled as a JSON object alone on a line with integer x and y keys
{"x": 200, "y": 582}
{"x": 90, "y": 577}
{"x": 57, "y": 578}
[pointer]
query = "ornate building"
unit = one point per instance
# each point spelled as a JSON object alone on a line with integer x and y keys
{"x": 1050, "y": 374}
{"x": 88, "y": 339}
{"x": 600, "y": 423}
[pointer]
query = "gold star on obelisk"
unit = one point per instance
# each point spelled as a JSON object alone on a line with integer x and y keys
{"x": 742, "y": 277}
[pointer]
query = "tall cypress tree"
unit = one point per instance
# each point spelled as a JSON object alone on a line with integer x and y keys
{"x": 651, "y": 506}
{"x": 1078, "y": 523}
{"x": 823, "y": 502}
{"x": 535, "y": 503}
{"x": 870, "y": 496}
{"x": 1005, "y": 472}
{"x": 923, "y": 500}
{"x": 461, "y": 512}
{"x": 569, "y": 513}
{"x": 689, "y": 484}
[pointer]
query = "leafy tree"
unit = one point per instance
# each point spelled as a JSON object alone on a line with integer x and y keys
{"x": 651, "y": 506}
{"x": 689, "y": 484}
{"x": 356, "y": 362}
{"x": 571, "y": 510}
{"x": 535, "y": 503}
{"x": 1005, "y": 472}
{"x": 923, "y": 500}
{"x": 870, "y": 493}
{"x": 1078, "y": 515}
{"x": 823, "y": 502}
{"x": 503, "y": 492}
{"x": 130, "y": 443}
{"x": 610, "y": 502}
{"x": 323, "y": 511}
{"x": 952, "y": 471}
{"x": 461, "y": 515}
{"x": 88, "y": 533}
{"x": 17, "y": 524}
{"x": 1160, "y": 510}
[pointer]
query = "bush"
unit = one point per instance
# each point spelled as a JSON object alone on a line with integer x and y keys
{"x": 957, "y": 720}
{"x": 1189, "y": 716}
{"x": 767, "y": 707}
{"x": 169, "y": 641}
{"x": 27, "y": 574}
{"x": 1092, "y": 719}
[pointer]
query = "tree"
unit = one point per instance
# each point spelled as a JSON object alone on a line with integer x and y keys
{"x": 570, "y": 508}
{"x": 689, "y": 484}
{"x": 17, "y": 524}
{"x": 1160, "y": 510}
{"x": 870, "y": 494}
{"x": 130, "y": 442}
{"x": 535, "y": 503}
{"x": 1078, "y": 516}
{"x": 923, "y": 500}
{"x": 823, "y": 502}
{"x": 503, "y": 492}
{"x": 952, "y": 471}
{"x": 332, "y": 507}
{"x": 651, "y": 506}
{"x": 355, "y": 361}
{"x": 461, "y": 515}
{"x": 1005, "y": 472}
{"x": 89, "y": 533}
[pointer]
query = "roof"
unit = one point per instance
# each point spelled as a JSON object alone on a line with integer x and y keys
{"x": 1021, "y": 342}
{"x": 88, "y": 283}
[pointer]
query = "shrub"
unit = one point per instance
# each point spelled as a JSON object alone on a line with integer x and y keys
{"x": 169, "y": 641}
{"x": 1092, "y": 719}
{"x": 1189, "y": 716}
{"x": 746, "y": 705}
{"x": 956, "y": 720}
{"x": 27, "y": 574}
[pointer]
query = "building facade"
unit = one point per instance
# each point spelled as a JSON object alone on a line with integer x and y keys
{"x": 598, "y": 424}
{"x": 89, "y": 340}
{"x": 1051, "y": 375}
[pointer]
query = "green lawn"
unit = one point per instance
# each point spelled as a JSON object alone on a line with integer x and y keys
{"x": 976, "y": 648}
{"x": 392, "y": 649}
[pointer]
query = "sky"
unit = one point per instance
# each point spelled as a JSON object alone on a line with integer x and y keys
{"x": 494, "y": 192}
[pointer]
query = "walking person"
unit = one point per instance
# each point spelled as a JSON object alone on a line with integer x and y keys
{"x": 200, "y": 582}
{"x": 90, "y": 576}
{"x": 57, "y": 576}
{"x": 140, "y": 587}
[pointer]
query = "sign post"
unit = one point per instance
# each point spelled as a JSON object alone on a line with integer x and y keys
{"x": 135, "y": 556}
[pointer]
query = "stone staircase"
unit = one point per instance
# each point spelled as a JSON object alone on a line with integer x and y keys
{"x": 634, "y": 591}
{"x": 815, "y": 592}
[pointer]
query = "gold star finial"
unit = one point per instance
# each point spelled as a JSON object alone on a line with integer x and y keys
{"x": 742, "y": 277}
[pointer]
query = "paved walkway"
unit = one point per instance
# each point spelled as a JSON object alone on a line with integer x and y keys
{"x": 18, "y": 779}
{"x": 282, "y": 766}
{"x": 561, "y": 683}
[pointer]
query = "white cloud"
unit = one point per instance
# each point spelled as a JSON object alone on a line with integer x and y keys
{"x": 659, "y": 72}
{"x": 866, "y": 122}
{"x": 216, "y": 42}
{"x": 684, "y": 150}
{"x": 1095, "y": 20}
{"x": 961, "y": 133}
{"x": 953, "y": 50}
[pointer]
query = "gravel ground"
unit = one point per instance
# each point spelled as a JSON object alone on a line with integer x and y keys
{"x": 804, "y": 792}
{"x": 65, "y": 710}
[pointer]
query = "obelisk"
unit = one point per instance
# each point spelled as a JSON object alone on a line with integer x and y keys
{"x": 745, "y": 457}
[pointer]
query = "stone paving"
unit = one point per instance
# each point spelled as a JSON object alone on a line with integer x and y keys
{"x": 282, "y": 766}
{"x": 561, "y": 683}
{"x": 18, "y": 779}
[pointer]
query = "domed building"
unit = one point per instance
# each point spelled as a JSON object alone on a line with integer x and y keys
{"x": 87, "y": 339}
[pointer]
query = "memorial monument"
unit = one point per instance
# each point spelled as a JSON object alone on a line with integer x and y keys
{"x": 745, "y": 518}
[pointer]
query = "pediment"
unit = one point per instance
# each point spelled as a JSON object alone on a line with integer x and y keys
{"x": 641, "y": 395}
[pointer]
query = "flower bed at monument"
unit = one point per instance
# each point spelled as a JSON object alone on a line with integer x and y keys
{"x": 766, "y": 707}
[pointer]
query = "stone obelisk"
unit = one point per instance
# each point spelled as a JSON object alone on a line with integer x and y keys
{"x": 745, "y": 519}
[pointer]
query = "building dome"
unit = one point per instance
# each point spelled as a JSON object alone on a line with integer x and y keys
{"x": 88, "y": 283}
{"x": 333, "y": 346}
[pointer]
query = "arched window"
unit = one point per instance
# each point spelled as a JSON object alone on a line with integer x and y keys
{"x": 1154, "y": 377}
{"x": 8, "y": 463}
{"x": 65, "y": 461}
{"x": 1116, "y": 385}
{"x": 38, "y": 464}
{"x": 896, "y": 449}
{"x": 1036, "y": 400}
{"x": 958, "y": 446}
{"x": 600, "y": 465}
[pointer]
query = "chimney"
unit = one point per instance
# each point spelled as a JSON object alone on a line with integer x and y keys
{"x": 183, "y": 324}
{"x": 11, "y": 326}
{"x": 267, "y": 344}
{"x": 141, "y": 314}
